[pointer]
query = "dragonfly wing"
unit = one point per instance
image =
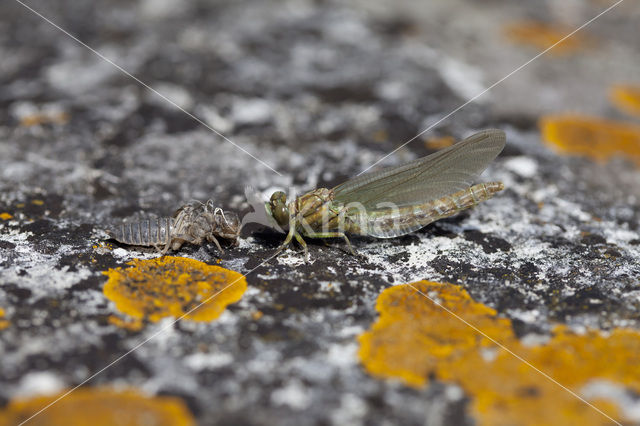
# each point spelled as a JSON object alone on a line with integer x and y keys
{"x": 425, "y": 179}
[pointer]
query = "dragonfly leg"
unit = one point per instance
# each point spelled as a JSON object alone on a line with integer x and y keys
{"x": 304, "y": 246}
{"x": 290, "y": 234}
{"x": 333, "y": 235}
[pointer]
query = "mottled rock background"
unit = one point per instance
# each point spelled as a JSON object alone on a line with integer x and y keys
{"x": 317, "y": 90}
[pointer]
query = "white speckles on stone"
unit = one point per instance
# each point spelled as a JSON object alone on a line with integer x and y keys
{"x": 214, "y": 119}
{"x": 489, "y": 354}
{"x": 121, "y": 253}
{"x": 620, "y": 234}
{"x": 392, "y": 91}
{"x": 22, "y": 110}
{"x": 573, "y": 210}
{"x": 524, "y": 166}
{"x": 343, "y": 355}
{"x": 176, "y": 94}
{"x": 463, "y": 79}
{"x": 349, "y": 331}
{"x": 43, "y": 275}
{"x": 344, "y": 29}
{"x": 200, "y": 361}
{"x": 545, "y": 193}
{"x": 294, "y": 395}
{"x": 81, "y": 75}
{"x": 351, "y": 411}
{"x": 293, "y": 259}
{"x": 525, "y": 316}
{"x": 39, "y": 383}
{"x": 251, "y": 111}
{"x": 17, "y": 171}
{"x": 454, "y": 393}
{"x": 418, "y": 256}
{"x": 534, "y": 339}
{"x": 161, "y": 9}
{"x": 603, "y": 389}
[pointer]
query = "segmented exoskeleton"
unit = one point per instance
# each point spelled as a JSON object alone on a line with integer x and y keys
{"x": 192, "y": 223}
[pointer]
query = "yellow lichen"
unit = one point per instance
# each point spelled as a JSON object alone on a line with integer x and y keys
{"x": 5, "y": 216}
{"x": 172, "y": 286}
{"x": 37, "y": 202}
{"x": 44, "y": 118}
{"x": 97, "y": 407}
{"x": 542, "y": 36}
{"x": 626, "y": 98}
{"x": 415, "y": 339}
{"x": 135, "y": 324}
{"x": 594, "y": 137}
{"x": 3, "y": 322}
{"x": 439, "y": 143}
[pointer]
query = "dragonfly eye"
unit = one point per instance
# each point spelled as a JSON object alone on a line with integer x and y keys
{"x": 279, "y": 211}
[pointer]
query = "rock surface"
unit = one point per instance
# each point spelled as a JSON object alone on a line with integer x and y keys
{"x": 317, "y": 92}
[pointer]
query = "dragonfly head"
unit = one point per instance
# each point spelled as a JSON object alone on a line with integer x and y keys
{"x": 277, "y": 208}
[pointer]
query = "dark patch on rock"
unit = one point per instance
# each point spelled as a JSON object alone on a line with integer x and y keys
{"x": 398, "y": 127}
{"x": 91, "y": 283}
{"x": 592, "y": 239}
{"x": 398, "y": 257}
{"x": 528, "y": 271}
{"x": 590, "y": 300}
{"x": 521, "y": 328}
{"x": 7, "y": 245}
{"x": 489, "y": 243}
{"x": 396, "y": 26}
{"x": 18, "y": 294}
{"x": 93, "y": 358}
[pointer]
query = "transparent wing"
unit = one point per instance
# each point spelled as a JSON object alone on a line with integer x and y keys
{"x": 428, "y": 178}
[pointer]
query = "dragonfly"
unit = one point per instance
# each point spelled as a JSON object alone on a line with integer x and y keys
{"x": 393, "y": 201}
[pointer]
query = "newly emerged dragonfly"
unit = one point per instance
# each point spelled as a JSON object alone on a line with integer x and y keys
{"x": 396, "y": 200}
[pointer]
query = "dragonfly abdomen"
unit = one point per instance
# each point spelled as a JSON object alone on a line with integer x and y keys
{"x": 461, "y": 200}
{"x": 404, "y": 220}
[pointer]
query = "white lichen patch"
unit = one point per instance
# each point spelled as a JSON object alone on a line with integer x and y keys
{"x": 39, "y": 383}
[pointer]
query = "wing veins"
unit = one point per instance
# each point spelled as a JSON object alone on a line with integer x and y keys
{"x": 371, "y": 188}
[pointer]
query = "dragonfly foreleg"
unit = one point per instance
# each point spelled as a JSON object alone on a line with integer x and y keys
{"x": 290, "y": 234}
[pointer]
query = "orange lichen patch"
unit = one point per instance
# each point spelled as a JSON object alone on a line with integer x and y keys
{"x": 5, "y": 216}
{"x": 44, "y": 118}
{"x": 97, "y": 407}
{"x": 3, "y": 322}
{"x": 415, "y": 339}
{"x": 542, "y": 36}
{"x": 172, "y": 286}
{"x": 439, "y": 143}
{"x": 626, "y": 99}
{"x": 594, "y": 137}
